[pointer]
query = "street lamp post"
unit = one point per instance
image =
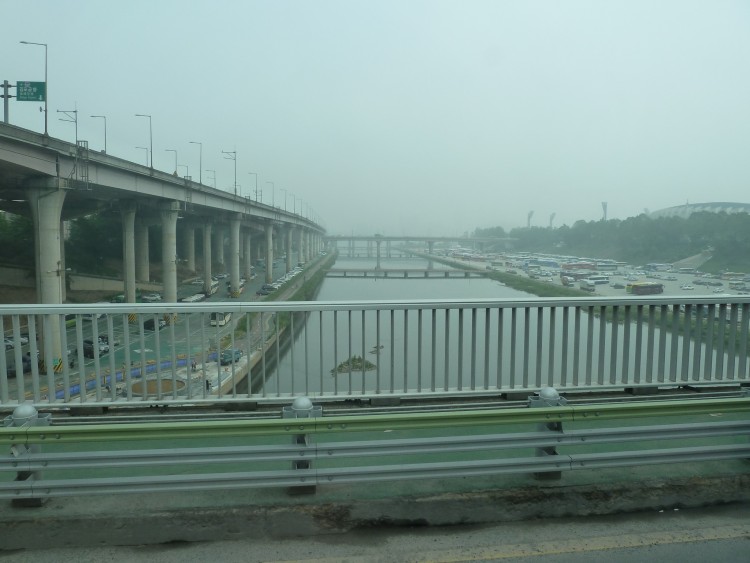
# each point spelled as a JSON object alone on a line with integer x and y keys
{"x": 46, "y": 88}
{"x": 104, "y": 117}
{"x": 175, "y": 159}
{"x": 232, "y": 155}
{"x": 150, "y": 136}
{"x": 187, "y": 170}
{"x": 294, "y": 202}
{"x": 283, "y": 190}
{"x": 256, "y": 184}
{"x": 273, "y": 194}
{"x": 200, "y": 160}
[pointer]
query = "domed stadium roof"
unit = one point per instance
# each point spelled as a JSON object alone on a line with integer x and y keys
{"x": 688, "y": 209}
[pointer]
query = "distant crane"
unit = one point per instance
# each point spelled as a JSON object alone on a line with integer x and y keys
{"x": 528, "y": 219}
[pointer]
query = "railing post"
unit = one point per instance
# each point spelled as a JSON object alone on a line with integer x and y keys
{"x": 302, "y": 407}
{"x": 25, "y": 416}
{"x": 548, "y": 397}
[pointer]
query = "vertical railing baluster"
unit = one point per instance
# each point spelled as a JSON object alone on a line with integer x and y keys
{"x": 708, "y": 360}
{"x": 626, "y": 344}
{"x": 539, "y": 344}
{"x": 500, "y": 345}
{"x": 744, "y": 320}
{"x": 364, "y": 353}
{"x": 589, "y": 344}
{"x": 513, "y": 345}
{"x": 687, "y": 338}
{"x": 420, "y": 345}
{"x": 576, "y": 345}
{"x": 335, "y": 352}
{"x": 486, "y": 379}
{"x": 405, "y": 374}
{"x": 392, "y": 354}
{"x": 696, "y": 312}
{"x": 674, "y": 344}
{"x": 526, "y": 345}
{"x": 473, "y": 359}
{"x": 602, "y": 346}
{"x": 732, "y": 341}
{"x": 460, "y": 350}
{"x": 263, "y": 354}
{"x": 565, "y": 344}
{"x": 552, "y": 352}
{"x": 614, "y": 341}
{"x": 662, "y": 343}
{"x": 637, "y": 376}
{"x": 721, "y": 332}
{"x": 433, "y": 346}
{"x": 378, "y": 389}
{"x": 446, "y": 350}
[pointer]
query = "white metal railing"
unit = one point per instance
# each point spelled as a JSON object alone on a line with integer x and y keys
{"x": 343, "y": 350}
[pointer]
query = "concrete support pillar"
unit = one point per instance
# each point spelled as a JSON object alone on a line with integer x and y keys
{"x": 288, "y": 239}
{"x": 127, "y": 210}
{"x": 248, "y": 255}
{"x": 307, "y": 248}
{"x": 300, "y": 244}
{"x": 388, "y": 249}
{"x": 63, "y": 269}
{"x": 269, "y": 253}
{"x": 190, "y": 246}
{"x": 46, "y": 210}
{"x": 219, "y": 248}
{"x": 377, "y": 264}
{"x": 207, "y": 257}
{"x": 234, "y": 254}
{"x": 142, "y": 272}
{"x": 168, "y": 214}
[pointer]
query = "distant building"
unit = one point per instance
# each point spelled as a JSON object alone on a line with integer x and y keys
{"x": 688, "y": 209}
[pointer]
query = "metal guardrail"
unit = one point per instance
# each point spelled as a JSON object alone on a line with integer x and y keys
{"x": 331, "y": 449}
{"x": 356, "y": 350}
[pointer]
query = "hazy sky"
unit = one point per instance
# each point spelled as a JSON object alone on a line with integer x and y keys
{"x": 408, "y": 117}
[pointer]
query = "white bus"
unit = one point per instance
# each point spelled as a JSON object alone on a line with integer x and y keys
{"x": 220, "y": 319}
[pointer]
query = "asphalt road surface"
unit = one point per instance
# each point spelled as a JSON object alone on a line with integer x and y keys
{"x": 720, "y": 534}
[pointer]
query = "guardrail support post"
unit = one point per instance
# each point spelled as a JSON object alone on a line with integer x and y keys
{"x": 548, "y": 397}
{"x": 302, "y": 407}
{"x": 25, "y": 416}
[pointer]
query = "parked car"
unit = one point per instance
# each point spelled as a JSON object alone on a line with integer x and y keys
{"x": 151, "y": 298}
{"x": 230, "y": 356}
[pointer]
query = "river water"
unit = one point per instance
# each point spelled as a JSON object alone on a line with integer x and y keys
{"x": 474, "y": 349}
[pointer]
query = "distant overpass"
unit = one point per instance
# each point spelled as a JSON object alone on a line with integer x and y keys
{"x": 372, "y": 243}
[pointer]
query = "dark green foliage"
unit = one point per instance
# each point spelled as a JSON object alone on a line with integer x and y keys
{"x": 17, "y": 240}
{"x": 93, "y": 241}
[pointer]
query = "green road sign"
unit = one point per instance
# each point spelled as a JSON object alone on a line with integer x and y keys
{"x": 30, "y": 91}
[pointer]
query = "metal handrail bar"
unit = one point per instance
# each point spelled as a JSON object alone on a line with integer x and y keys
{"x": 33, "y": 461}
{"x": 365, "y": 422}
{"x": 212, "y": 481}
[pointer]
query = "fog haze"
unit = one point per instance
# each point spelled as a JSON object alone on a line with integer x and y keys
{"x": 408, "y": 117}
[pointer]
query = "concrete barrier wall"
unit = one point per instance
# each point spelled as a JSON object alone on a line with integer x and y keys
{"x": 17, "y": 277}
{"x": 20, "y": 277}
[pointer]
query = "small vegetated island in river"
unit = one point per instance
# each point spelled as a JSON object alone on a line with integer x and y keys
{"x": 355, "y": 363}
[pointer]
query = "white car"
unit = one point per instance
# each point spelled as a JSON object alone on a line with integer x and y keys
{"x": 151, "y": 297}
{"x": 687, "y": 287}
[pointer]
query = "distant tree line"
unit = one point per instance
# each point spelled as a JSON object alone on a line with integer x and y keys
{"x": 641, "y": 239}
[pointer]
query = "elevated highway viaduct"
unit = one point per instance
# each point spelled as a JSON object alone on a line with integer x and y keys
{"x": 51, "y": 181}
